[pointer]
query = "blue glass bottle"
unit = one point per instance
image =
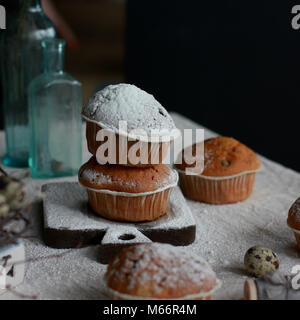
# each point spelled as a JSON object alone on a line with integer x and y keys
{"x": 21, "y": 60}
{"x": 55, "y": 100}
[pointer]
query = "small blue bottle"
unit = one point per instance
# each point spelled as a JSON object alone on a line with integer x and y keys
{"x": 55, "y": 100}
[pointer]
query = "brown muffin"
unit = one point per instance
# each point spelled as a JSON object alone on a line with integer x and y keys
{"x": 224, "y": 156}
{"x": 159, "y": 271}
{"x": 118, "y": 178}
{"x": 228, "y": 174}
{"x": 293, "y": 220}
{"x": 128, "y": 193}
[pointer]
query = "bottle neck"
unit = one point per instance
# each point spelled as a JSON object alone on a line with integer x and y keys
{"x": 54, "y": 51}
{"x": 13, "y": 6}
{"x": 31, "y": 5}
{"x": 34, "y": 3}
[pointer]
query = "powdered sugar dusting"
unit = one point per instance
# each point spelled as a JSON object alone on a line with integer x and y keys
{"x": 95, "y": 176}
{"x": 126, "y": 102}
{"x": 98, "y": 178}
{"x": 114, "y": 235}
{"x": 65, "y": 207}
{"x": 161, "y": 265}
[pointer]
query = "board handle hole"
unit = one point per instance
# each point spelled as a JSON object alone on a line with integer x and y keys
{"x": 127, "y": 236}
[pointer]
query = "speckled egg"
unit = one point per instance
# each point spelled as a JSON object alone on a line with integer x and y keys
{"x": 260, "y": 260}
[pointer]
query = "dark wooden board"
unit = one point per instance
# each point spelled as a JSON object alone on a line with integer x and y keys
{"x": 69, "y": 223}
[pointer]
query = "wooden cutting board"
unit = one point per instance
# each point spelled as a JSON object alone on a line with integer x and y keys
{"x": 70, "y": 223}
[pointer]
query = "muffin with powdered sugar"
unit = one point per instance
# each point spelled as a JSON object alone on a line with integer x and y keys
{"x": 133, "y": 116}
{"x": 128, "y": 193}
{"x": 159, "y": 271}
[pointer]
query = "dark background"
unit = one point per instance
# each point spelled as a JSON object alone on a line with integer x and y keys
{"x": 230, "y": 65}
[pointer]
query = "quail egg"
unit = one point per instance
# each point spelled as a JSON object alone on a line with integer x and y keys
{"x": 4, "y": 207}
{"x": 14, "y": 192}
{"x": 260, "y": 260}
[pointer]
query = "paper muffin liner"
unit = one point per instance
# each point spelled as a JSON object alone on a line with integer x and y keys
{"x": 133, "y": 207}
{"x": 157, "y": 151}
{"x": 297, "y": 236}
{"x": 115, "y": 295}
{"x": 218, "y": 190}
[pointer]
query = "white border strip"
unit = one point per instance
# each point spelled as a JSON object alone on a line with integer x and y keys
{"x": 113, "y": 293}
{"x": 134, "y": 137}
{"x": 140, "y": 194}
{"x": 220, "y": 178}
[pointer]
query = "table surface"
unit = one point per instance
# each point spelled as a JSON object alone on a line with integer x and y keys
{"x": 224, "y": 233}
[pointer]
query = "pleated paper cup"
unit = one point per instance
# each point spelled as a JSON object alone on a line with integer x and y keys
{"x": 157, "y": 151}
{"x": 217, "y": 190}
{"x": 297, "y": 236}
{"x": 132, "y": 207}
{"x": 115, "y": 295}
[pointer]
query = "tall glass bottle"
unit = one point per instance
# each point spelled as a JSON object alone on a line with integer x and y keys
{"x": 55, "y": 100}
{"x": 21, "y": 61}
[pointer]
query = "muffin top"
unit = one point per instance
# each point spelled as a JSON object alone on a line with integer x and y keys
{"x": 294, "y": 215}
{"x": 126, "y": 102}
{"x": 159, "y": 271}
{"x": 126, "y": 179}
{"x": 223, "y": 156}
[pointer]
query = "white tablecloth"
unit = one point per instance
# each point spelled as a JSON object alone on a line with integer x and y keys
{"x": 224, "y": 233}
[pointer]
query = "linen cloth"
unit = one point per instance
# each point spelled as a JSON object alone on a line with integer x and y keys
{"x": 224, "y": 233}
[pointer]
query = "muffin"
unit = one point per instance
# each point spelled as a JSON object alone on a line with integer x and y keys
{"x": 140, "y": 110}
{"x": 128, "y": 193}
{"x": 228, "y": 174}
{"x": 159, "y": 271}
{"x": 293, "y": 220}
